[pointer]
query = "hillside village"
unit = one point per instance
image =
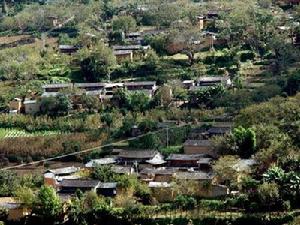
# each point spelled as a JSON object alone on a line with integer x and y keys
{"x": 149, "y": 112}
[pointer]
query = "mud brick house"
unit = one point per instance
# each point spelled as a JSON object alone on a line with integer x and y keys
{"x": 184, "y": 160}
{"x": 198, "y": 147}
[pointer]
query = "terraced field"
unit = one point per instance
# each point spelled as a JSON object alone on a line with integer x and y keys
{"x": 12, "y": 133}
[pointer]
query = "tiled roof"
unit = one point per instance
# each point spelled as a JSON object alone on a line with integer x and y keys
{"x": 79, "y": 183}
{"x": 65, "y": 170}
{"x": 202, "y": 143}
{"x": 108, "y": 185}
{"x": 137, "y": 154}
{"x": 141, "y": 83}
{"x": 103, "y": 161}
{"x": 185, "y": 157}
{"x": 218, "y": 130}
{"x": 193, "y": 176}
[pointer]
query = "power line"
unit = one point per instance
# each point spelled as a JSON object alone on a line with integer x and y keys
{"x": 83, "y": 151}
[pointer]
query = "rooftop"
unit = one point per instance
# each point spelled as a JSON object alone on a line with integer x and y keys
{"x": 202, "y": 143}
{"x": 218, "y": 130}
{"x": 65, "y": 170}
{"x": 127, "y": 47}
{"x": 122, "y": 52}
{"x": 83, "y": 85}
{"x": 79, "y": 183}
{"x": 71, "y": 47}
{"x": 185, "y": 157}
{"x": 108, "y": 185}
{"x": 64, "y": 85}
{"x": 137, "y": 154}
{"x": 213, "y": 79}
{"x": 103, "y": 161}
{"x": 122, "y": 169}
{"x": 193, "y": 176}
{"x": 160, "y": 171}
{"x": 140, "y": 83}
{"x": 159, "y": 185}
{"x": 156, "y": 160}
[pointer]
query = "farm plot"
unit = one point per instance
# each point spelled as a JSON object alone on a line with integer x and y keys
{"x": 13, "y": 133}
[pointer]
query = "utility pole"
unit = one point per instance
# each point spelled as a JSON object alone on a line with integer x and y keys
{"x": 167, "y": 136}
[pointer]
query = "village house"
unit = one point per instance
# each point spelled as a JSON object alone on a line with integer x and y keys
{"x": 197, "y": 133}
{"x": 198, "y": 147}
{"x": 99, "y": 89}
{"x": 218, "y": 131}
{"x": 162, "y": 191}
{"x": 149, "y": 87}
{"x": 100, "y": 162}
{"x": 213, "y": 81}
{"x": 139, "y": 51}
{"x": 163, "y": 174}
{"x": 141, "y": 158}
{"x": 16, "y": 210}
{"x": 201, "y": 183}
{"x": 134, "y": 38}
{"x": 54, "y": 89}
{"x": 67, "y": 49}
{"x": 122, "y": 170}
{"x": 123, "y": 56}
{"x": 15, "y": 105}
{"x": 52, "y": 177}
{"x": 31, "y": 106}
{"x": 193, "y": 160}
{"x": 187, "y": 84}
{"x": 71, "y": 186}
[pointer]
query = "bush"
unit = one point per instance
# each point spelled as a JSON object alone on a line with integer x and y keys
{"x": 247, "y": 55}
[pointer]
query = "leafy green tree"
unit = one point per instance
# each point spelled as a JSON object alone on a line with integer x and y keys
{"x": 206, "y": 96}
{"x": 142, "y": 191}
{"x": 3, "y": 103}
{"x": 103, "y": 173}
{"x": 268, "y": 194}
{"x": 97, "y": 64}
{"x": 139, "y": 101}
{"x": 56, "y": 106}
{"x": 151, "y": 60}
{"x": 293, "y": 83}
{"x": 26, "y": 196}
{"x": 8, "y": 182}
{"x": 90, "y": 102}
{"x": 124, "y": 23}
{"x": 48, "y": 204}
{"x": 224, "y": 169}
{"x": 107, "y": 119}
{"x": 245, "y": 139}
